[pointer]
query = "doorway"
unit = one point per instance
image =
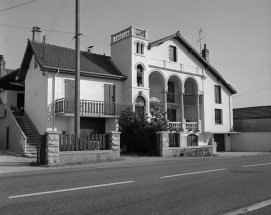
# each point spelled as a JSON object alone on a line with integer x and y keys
{"x": 220, "y": 141}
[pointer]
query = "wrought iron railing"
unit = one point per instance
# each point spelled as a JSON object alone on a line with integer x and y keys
{"x": 88, "y": 107}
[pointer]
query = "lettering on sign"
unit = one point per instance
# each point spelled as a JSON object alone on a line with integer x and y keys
{"x": 121, "y": 36}
{"x": 140, "y": 33}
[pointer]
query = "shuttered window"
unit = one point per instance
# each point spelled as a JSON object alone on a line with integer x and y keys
{"x": 109, "y": 93}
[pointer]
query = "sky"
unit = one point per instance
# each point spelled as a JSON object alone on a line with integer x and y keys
{"x": 237, "y": 33}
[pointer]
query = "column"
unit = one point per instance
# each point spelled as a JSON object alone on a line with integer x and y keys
{"x": 198, "y": 113}
{"x": 165, "y": 101}
{"x": 182, "y": 112}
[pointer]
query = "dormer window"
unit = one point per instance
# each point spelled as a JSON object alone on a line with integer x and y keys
{"x": 140, "y": 48}
{"x": 139, "y": 71}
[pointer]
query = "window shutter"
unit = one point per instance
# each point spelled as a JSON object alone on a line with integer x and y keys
{"x": 69, "y": 89}
{"x": 109, "y": 93}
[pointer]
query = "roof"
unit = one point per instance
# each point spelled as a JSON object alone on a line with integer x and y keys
{"x": 9, "y": 82}
{"x": 192, "y": 50}
{"x": 252, "y": 112}
{"x": 51, "y": 57}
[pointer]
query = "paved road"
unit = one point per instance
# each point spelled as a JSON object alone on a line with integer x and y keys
{"x": 186, "y": 186}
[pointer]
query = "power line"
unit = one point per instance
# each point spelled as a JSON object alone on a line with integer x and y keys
{"x": 18, "y": 5}
{"x": 252, "y": 91}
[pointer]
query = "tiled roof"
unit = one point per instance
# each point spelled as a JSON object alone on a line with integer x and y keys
{"x": 56, "y": 57}
{"x": 252, "y": 112}
{"x": 191, "y": 49}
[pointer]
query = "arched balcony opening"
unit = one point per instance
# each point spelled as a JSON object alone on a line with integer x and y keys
{"x": 157, "y": 87}
{"x": 174, "y": 89}
{"x": 191, "y": 103}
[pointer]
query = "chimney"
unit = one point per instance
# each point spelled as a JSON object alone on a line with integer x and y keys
{"x": 90, "y": 49}
{"x": 36, "y": 34}
{"x": 2, "y": 66}
{"x": 205, "y": 53}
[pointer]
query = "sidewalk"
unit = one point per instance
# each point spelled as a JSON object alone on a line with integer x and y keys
{"x": 10, "y": 163}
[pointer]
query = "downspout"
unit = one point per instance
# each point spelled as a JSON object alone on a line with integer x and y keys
{"x": 54, "y": 104}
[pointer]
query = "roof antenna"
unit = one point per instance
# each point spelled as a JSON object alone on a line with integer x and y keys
{"x": 200, "y": 30}
{"x": 43, "y": 47}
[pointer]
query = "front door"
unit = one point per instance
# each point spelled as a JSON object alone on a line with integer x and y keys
{"x": 219, "y": 139}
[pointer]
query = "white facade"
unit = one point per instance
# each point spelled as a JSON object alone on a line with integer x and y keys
{"x": 181, "y": 85}
{"x": 189, "y": 77}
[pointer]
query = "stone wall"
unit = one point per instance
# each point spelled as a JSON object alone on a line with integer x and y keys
{"x": 163, "y": 149}
{"x": 55, "y": 157}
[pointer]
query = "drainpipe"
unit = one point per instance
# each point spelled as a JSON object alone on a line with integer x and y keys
{"x": 54, "y": 104}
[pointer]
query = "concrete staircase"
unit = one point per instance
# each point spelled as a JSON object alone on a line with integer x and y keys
{"x": 31, "y": 147}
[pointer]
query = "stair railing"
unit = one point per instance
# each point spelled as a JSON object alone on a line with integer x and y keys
{"x": 15, "y": 127}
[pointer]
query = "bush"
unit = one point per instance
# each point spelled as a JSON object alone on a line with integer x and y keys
{"x": 138, "y": 130}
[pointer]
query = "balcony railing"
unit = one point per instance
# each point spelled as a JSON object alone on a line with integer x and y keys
{"x": 88, "y": 107}
{"x": 189, "y": 126}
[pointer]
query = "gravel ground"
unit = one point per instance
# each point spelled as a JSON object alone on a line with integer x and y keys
{"x": 11, "y": 163}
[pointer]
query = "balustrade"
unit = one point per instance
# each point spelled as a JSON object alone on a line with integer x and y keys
{"x": 91, "y": 107}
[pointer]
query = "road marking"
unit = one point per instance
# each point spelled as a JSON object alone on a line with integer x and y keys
{"x": 192, "y": 173}
{"x": 251, "y": 208}
{"x": 262, "y": 164}
{"x": 71, "y": 189}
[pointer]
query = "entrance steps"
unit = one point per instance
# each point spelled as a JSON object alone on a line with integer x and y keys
{"x": 31, "y": 146}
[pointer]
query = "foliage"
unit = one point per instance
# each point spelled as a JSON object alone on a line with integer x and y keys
{"x": 138, "y": 130}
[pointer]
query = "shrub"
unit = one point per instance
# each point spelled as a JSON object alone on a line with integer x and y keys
{"x": 138, "y": 130}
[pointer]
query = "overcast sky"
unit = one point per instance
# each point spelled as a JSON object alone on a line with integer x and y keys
{"x": 237, "y": 32}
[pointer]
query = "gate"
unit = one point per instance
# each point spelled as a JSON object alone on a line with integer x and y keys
{"x": 41, "y": 150}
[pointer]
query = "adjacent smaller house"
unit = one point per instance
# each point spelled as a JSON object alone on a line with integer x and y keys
{"x": 253, "y": 125}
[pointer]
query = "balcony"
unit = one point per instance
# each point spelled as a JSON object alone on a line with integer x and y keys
{"x": 65, "y": 107}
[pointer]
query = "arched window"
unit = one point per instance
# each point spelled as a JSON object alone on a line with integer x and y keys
{"x": 138, "y": 48}
{"x": 192, "y": 140}
{"x": 139, "y": 72}
{"x": 140, "y": 105}
{"x": 142, "y": 48}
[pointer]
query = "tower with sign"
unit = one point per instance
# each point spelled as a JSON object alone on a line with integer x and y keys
{"x": 129, "y": 53}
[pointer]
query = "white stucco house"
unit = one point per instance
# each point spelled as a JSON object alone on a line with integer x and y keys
{"x": 168, "y": 72}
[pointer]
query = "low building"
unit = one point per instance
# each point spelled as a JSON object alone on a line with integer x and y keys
{"x": 253, "y": 125}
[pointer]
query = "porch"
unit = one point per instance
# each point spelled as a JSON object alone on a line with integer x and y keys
{"x": 65, "y": 107}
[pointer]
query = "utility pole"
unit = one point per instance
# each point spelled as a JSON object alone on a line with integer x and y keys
{"x": 77, "y": 72}
{"x": 200, "y": 40}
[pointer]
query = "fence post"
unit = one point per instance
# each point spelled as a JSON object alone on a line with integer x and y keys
{"x": 114, "y": 140}
{"x": 162, "y": 142}
{"x": 52, "y": 148}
